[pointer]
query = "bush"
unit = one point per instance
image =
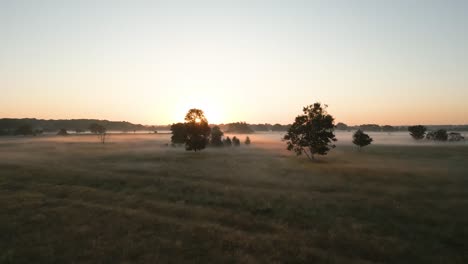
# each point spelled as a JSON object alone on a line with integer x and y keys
{"x": 216, "y": 137}
{"x": 235, "y": 141}
{"x": 227, "y": 142}
{"x": 417, "y": 132}
{"x": 361, "y": 139}
{"x": 438, "y": 135}
{"x": 62, "y": 132}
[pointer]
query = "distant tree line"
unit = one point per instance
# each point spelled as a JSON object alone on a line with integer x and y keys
{"x": 239, "y": 127}
{"x": 388, "y": 128}
{"x": 420, "y": 132}
{"x": 8, "y": 126}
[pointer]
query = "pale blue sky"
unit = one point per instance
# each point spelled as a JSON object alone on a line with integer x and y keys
{"x": 386, "y": 62}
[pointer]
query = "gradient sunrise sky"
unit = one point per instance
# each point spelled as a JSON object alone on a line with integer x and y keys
{"x": 386, "y": 62}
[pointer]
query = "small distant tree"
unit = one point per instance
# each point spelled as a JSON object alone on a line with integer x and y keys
{"x": 247, "y": 141}
{"x": 24, "y": 130}
{"x": 311, "y": 133}
{"x": 216, "y": 137}
{"x": 93, "y": 128}
{"x": 417, "y": 132}
{"x": 454, "y": 136}
{"x": 235, "y": 141}
{"x": 198, "y": 131}
{"x": 361, "y": 139}
{"x": 227, "y": 142}
{"x": 62, "y": 132}
{"x": 179, "y": 133}
{"x": 100, "y": 131}
{"x": 438, "y": 135}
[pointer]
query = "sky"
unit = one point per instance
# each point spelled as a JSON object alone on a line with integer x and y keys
{"x": 385, "y": 62}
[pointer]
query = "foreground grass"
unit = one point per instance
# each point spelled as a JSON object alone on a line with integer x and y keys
{"x": 135, "y": 200}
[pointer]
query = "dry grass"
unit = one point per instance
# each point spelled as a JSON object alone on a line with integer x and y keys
{"x": 136, "y": 200}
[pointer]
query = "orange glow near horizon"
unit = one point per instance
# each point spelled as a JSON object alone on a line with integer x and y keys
{"x": 213, "y": 111}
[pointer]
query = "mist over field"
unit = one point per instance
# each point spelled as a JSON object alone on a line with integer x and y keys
{"x": 137, "y": 199}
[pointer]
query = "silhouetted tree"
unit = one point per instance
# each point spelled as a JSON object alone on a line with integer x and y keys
{"x": 441, "y": 135}
{"x": 96, "y": 128}
{"x": 179, "y": 133}
{"x": 216, "y": 136}
{"x": 311, "y": 133}
{"x": 198, "y": 131}
{"x": 100, "y": 130}
{"x": 361, "y": 139}
{"x": 417, "y": 132}
{"x": 247, "y": 141}
{"x": 438, "y": 135}
{"x": 24, "y": 130}
{"x": 235, "y": 141}
{"x": 227, "y": 142}
{"x": 453, "y": 136}
{"x": 62, "y": 132}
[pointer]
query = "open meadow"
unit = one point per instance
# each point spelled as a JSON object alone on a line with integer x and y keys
{"x": 137, "y": 200}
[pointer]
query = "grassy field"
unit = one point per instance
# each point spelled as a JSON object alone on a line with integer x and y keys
{"x": 135, "y": 200}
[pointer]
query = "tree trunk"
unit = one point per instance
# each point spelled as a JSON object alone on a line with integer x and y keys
{"x": 310, "y": 156}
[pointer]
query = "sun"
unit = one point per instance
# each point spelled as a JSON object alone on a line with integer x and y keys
{"x": 214, "y": 112}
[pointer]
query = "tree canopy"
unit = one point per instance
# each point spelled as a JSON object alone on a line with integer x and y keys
{"x": 96, "y": 128}
{"x": 179, "y": 133}
{"x": 227, "y": 142}
{"x": 361, "y": 139}
{"x": 216, "y": 136}
{"x": 235, "y": 141}
{"x": 311, "y": 133}
{"x": 198, "y": 131}
{"x": 438, "y": 135}
{"x": 417, "y": 132}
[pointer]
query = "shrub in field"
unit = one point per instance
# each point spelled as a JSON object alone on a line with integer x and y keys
{"x": 235, "y": 141}
{"x": 62, "y": 132}
{"x": 438, "y": 135}
{"x": 227, "y": 142}
{"x": 361, "y": 139}
{"x": 417, "y": 132}
{"x": 216, "y": 137}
